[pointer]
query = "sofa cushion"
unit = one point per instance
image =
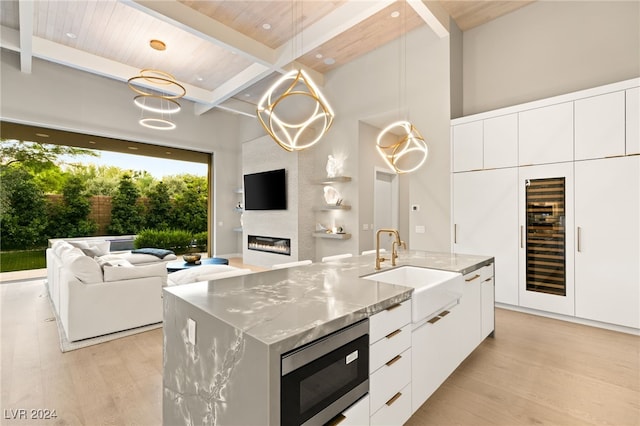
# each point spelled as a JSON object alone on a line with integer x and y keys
{"x": 114, "y": 262}
{"x": 67, "y": 255}
{"x": 118, "y": 273}
{"x": 93, "y": 247}
{"x": 59, "y": 247}
{"x": 192, "y": 275}
{"x": 139, "y": 258}
{"x": 85, "y": 269}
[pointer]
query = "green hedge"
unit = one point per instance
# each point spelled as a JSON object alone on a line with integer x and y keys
{"x": 178, "y": 240}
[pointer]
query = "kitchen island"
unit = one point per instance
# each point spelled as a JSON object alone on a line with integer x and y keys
{"x": 223, "y": 339}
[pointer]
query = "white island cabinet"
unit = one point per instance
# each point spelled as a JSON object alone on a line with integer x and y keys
{"x": 439, "y": 344}
{"x": 390, "y": 365}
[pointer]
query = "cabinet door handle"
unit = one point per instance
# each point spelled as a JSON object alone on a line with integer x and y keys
{"x": 393, "y": 360}
{"x": 476, "y": 276}
{"x": 455, "y": 233}
{"x": 579, "y": 238}
{"x": 337, "y": 420}
{"x": 393, "y": 399}
{"x": 521, "y": 237}
{"x": 443, "y": 314}
{"x": 434, "y": 320}
{"x": 393, "y": 334}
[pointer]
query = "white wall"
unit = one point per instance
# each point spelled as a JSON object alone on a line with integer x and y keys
{"x": 550, "y": 48}
{"x": 368, "y": 87}
{"x": 59, "y": 97}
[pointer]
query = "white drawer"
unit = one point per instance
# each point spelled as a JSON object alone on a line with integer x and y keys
{"x": 479, "y": 275}
{"x": 388, "y": 347}
{"x": 389, "y": 379}
{"x": 389, "y": 320}
{"x": 356, "y": 415}
{"x": 395, "y": 411}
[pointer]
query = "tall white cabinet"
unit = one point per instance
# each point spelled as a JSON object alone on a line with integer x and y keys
{"x": 607, "y": 258}
{"x": 578, "y": 255}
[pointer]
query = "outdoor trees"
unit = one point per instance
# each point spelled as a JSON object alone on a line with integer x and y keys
{"x": 70, "y": 218}
{"x": 190, "y": 206}
{"x": 159, "y": 214}
{"x": 127, "y": 214}
{"x": 23, "y": 214}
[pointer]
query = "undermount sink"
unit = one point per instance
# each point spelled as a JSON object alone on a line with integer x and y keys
{"x": 434, "y": 289}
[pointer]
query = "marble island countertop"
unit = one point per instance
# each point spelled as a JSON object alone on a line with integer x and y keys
{"x": 287, "y": 308}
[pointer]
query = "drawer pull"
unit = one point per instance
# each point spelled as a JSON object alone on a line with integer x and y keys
{"x": 337, "y": 420}
{"x": 476, "y": 276}
{"x": 434, "y": 320}
{"x": 393, "y": 399}
{"x": 443, "y": 314}
{"x": 393, "y": 334}
{"x": 488, "y": 279}
{"x": 392, "y": 307}
{"x": 393, "y": 361}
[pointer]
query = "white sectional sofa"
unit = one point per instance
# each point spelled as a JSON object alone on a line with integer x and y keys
{"x": 95, "y": 292}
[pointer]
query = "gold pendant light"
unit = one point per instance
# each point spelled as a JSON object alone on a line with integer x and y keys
{"x": 295, "y": 87}
{"x": 156, "y": 98}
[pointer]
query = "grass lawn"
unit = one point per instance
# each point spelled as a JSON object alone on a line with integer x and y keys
{"x": 22, "y": 260}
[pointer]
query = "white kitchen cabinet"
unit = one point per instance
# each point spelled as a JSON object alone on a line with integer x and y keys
{"x": 485, "y": 217}
{"x": 600, "y": 126}
{"x": 501, "y": 141}
{"x": 546, "y": 238}
{"x": 356, "y": 415}
{"x": 545, "y": 135}
{"x": 390, "y": 365}
{"x": 436, "y": 347}
{"x": 607, "y": 220}
{"x": 396, "y": 411}
{"x": 467, "y": 146}
{"x": 633, "y": 121}
{"x": 487, "y": 292}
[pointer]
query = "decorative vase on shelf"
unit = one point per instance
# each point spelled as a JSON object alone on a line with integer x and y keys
{"x": 331, "y": 195}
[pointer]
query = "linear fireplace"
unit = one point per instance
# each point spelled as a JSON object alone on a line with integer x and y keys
{"x": 270, "y": 244}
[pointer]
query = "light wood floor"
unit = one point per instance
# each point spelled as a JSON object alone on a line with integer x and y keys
{"x": 536, "y": 371}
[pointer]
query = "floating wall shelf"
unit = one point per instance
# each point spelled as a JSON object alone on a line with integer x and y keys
{"x": 330, "y": 180}
{"x": 332, "y": 235}
{"x": 329, "y": 207}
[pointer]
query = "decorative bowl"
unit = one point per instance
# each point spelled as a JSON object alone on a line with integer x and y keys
{"x": 191, "y": 258}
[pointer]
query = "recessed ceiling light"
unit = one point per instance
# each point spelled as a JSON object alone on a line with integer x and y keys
{"x": 42, "y": 135}
{"x": 71, "y": 35}
{"x": 247, "y": 95}
{"x": 266, "y": 26}
{"x": 395, "y": 14}
{"x": 318, "y": 55}
{"x": 93, "y": 142}
{"x": 199, "y": 78}
{"x": 329, "y": 61}
{"x": 133, "y": 148}
{"x": 157, "y": 44}
{"x": 168, "y": 152}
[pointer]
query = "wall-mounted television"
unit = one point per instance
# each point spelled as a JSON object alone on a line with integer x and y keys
{"x": 265, "y": 190}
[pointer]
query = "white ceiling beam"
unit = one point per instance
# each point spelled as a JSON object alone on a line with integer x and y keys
{"x": 25, "y": 12}
{"x": 431, "y": 17}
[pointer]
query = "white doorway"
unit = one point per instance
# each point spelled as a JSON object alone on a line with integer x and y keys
{"x": 385, "y": 202}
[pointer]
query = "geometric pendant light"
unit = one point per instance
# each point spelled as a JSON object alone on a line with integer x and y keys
{"x": 295, "y": 91}
{"x": 407, "y": 152}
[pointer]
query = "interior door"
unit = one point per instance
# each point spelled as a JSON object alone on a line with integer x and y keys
{"x": 386, "y": 206}
{"x": 547, "y": 238}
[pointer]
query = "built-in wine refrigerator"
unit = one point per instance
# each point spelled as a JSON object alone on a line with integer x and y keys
{"x": 545, "y": 232}
{"x": 546, "y": 238}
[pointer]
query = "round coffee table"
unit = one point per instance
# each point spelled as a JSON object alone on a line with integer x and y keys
{"x": 179, "y": 265}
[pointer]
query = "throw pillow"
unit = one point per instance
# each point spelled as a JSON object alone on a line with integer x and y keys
{"x": 113, "y": 262}
{"x": 85, "y": 269}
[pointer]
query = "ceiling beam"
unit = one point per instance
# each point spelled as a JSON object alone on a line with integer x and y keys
{"x": 25, "y": 12}
{"x": 433, "y": 15}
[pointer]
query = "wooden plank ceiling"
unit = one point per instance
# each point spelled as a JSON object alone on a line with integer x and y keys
{"x": 225, "y": 52}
